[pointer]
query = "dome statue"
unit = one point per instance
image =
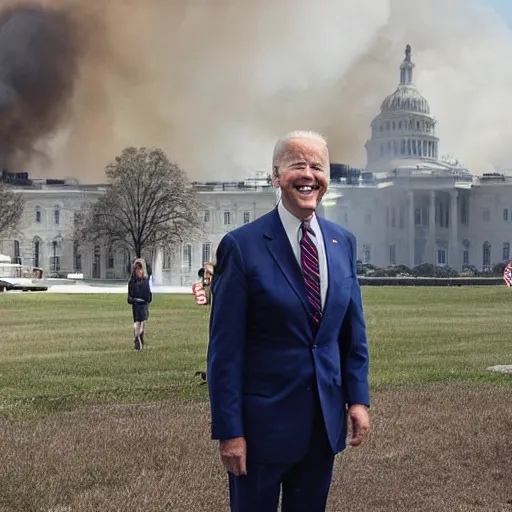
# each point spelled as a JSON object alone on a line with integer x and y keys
{"x": 406, "y": 98}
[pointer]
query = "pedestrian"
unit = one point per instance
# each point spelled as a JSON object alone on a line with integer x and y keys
{"x": 139, "y": 296}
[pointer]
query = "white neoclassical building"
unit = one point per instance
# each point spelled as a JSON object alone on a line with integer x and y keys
{"x": 408, "y": 206}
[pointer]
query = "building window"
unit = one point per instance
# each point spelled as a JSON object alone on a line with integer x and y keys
{"x": 486, "y": 255}
{"x": 487, "y": 215}
{"x": 55, "y": 264}
{"x": 17, "y": 253}
{"x": 110, "y": 258}
{"x": 96, "y": 262}
{"x": 465, "y": 257}
{"x": 399, "y": 125}
{"x": 37, "y": 252}
{"x": 417, "y": 217}
{"x": 402, "y": 147}
{"x": 127, "y": 263}
{"x": 206, "y": 252}
{"x": 505, "y": 214}
{"x": 206, "y": 216}
{"x": 56, "y": 215}
{"x": 441, "y": 257}
{"x": 366, "y": 254}
{"x": 506, "y": 251}
{"x": 392, "y": 254}
{"x": 408, "y": 146}
{"x": 187, "y": 258}
{"x": 166, "y": 263}
{"x": 38, "y": 214}
{"x": 247, "y": 217}
{"x": 77, "y": 257}
{"x": 227, "y": 218}
{"x": 393, "y": 217}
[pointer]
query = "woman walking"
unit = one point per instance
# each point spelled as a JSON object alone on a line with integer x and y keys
{"x": 139, "y": 296}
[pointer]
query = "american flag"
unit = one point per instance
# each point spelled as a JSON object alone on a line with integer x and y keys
{"x": 507, "y": 274}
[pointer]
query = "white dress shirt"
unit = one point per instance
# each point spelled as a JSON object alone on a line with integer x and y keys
{"x": 291, "y": 225}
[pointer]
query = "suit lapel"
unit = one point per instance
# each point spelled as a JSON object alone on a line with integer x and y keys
{"x": 279, "y": 247}
{"x": 330, "y": 244}
{"x": 332, "y": 254}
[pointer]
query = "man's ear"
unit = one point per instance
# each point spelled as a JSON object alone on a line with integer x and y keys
{"x": 275, "y": 177}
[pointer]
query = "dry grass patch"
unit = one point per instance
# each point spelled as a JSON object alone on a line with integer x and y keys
{"x": 433, "y": 448}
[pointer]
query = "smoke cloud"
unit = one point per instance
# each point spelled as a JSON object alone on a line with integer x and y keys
{"x": 214, "y": 83}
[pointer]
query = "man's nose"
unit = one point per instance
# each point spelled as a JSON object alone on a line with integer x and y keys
{"x": 307, "y": 172}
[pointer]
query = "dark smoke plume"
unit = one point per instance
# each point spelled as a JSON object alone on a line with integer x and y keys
{"x": 38, "y": 69}
{"x": 215, "y": 82}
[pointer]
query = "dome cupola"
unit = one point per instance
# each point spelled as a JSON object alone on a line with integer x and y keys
{"x": 406, "y": 98}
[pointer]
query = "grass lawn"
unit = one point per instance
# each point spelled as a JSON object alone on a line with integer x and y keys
{"x": 59, "y": 351}
{"x": 87, "y": 423}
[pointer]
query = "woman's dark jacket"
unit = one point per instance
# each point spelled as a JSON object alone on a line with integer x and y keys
{"x": 139, "y": 296}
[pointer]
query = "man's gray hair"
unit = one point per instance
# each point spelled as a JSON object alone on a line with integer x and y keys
{"x": 279, "y": 148}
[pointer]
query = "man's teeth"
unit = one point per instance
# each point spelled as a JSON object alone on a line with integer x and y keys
{"x": 307, "y": 188}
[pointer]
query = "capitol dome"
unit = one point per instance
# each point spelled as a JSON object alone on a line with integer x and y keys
{"x": 404, "y": 129}
{"x": 405, "y": 99}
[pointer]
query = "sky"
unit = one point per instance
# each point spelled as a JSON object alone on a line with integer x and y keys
{"x": 215, "y": 87}
{"x": 504, "y": 7}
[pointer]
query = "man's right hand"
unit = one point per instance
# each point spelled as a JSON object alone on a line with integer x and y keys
{"x": 233, "y": 455}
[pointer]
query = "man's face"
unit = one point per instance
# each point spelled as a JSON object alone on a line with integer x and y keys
{"x": 302, "y": 176}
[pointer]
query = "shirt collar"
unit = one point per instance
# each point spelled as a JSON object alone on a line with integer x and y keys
{"x": 291, "y": 223}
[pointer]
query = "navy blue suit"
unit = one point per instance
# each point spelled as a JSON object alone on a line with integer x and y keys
{"x": 271, "y": 378}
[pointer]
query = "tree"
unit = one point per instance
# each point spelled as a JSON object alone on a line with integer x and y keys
{"x": 149, "y": 202}
{"x": 11, "y": 209}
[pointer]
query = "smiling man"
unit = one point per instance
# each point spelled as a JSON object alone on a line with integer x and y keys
{"x": 288, "y": 354}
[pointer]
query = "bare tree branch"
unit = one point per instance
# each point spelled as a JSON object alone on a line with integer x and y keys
{"x": 149, "y": 202}
{"x": 12, "y": 204}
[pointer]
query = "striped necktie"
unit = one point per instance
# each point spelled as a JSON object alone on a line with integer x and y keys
{"x": 311, "y": 271}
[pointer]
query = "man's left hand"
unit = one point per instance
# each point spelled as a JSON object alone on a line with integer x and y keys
{"x": 360, "y": 423}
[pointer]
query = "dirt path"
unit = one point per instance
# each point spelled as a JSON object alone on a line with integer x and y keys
{"x": 442, "y": 448}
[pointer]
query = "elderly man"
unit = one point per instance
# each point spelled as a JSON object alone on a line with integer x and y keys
{"x": 288, "y": 354}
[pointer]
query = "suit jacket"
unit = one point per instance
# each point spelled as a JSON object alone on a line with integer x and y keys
{"x": 264, "y": 363}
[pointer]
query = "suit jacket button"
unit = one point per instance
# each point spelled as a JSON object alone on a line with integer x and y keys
{"x": 309, "y": 388}
{"x": 315, "y": 347}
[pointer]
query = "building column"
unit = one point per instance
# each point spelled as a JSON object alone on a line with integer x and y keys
{"x": 157, "y": 266}
{"x": 453, "y": 254}
{"x": 432, "y": 229}
{"x": 412, "y": 228}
